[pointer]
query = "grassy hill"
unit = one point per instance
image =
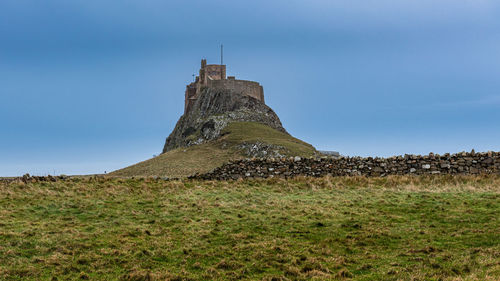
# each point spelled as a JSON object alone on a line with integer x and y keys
{"x": 354, "y": 228}
{"x": 183, "y": 162}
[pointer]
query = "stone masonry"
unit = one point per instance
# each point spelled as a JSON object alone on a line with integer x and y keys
{"x": 213, "y": 76}
{"x": 460, "y": 163}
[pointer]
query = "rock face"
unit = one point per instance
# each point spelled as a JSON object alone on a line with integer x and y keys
{"x": 261, "y": 150}
{"x": 212, "y": 112}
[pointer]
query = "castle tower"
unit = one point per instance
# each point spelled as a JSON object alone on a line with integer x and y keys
{"x": 203, "y": 77}
{"x": 214, "y": 76}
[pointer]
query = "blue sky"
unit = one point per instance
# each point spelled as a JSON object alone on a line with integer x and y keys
{"x": 92, "y": 86}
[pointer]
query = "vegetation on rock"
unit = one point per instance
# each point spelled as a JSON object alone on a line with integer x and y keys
{"x": 212, "y": 112}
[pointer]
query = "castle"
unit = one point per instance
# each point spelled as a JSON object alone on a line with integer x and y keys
{"x": 214, "y": 76}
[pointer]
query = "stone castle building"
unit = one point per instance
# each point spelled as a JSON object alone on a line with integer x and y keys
{"x": 214, "y": 76}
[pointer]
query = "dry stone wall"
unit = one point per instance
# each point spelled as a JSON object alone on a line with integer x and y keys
{"x": 460, "y": 163}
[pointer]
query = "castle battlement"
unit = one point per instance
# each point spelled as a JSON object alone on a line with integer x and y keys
{"x": 214, "y": 76}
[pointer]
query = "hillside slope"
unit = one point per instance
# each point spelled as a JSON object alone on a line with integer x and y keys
{"x": 238, "y": 140}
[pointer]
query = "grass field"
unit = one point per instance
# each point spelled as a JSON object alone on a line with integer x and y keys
{"x": 394, "y": 228}
{"x": 183, "y": 162}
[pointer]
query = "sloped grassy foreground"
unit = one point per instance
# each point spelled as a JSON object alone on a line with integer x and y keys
{"x": 409, "y": 228}
{"x": 183, "y": 162}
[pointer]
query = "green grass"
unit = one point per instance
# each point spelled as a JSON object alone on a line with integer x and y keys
{"x": 181, "y": 162}
{"x": 395, "y": 228}
{"x": 202, "y": 158}
{"x": 251, "y": 132}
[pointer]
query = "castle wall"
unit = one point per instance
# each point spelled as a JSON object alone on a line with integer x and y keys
{"x": 215, "y": 71}
{"x": 248, "y": 88}
{"x": 214, "y": 76}
{"x": 189, "y": 97}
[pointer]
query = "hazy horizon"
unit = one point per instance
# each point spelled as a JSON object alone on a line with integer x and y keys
{"x": 91, "y": 86}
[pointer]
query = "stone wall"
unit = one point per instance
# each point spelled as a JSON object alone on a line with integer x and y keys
{"x": 215, "y": 71}
{"x": 244, "y": 87}
{"x": 460, "y": 163}
{"x": 189, "y": 97}
{"x": 214, "y": 76}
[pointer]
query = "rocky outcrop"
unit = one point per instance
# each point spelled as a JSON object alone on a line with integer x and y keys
{"x": 261, "y": 150}
{"x": 461, "y": 163}
{"x": 212, "y": 112}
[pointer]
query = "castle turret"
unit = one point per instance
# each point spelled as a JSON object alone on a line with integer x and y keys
{"x": 203, "y": 77}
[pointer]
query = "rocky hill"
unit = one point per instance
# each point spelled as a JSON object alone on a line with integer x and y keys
{"x": 221, "y": 126}
{"x": 212, "y": 112}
